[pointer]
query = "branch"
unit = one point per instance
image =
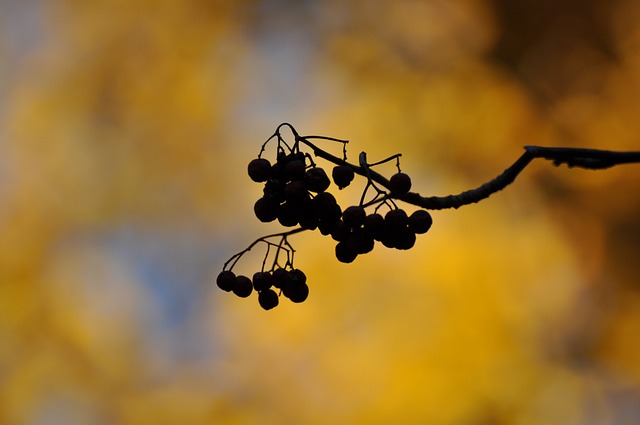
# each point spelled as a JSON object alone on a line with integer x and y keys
{"x": 592, "y": 159}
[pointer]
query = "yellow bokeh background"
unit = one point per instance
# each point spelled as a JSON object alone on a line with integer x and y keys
{"x": 125, "y": 130}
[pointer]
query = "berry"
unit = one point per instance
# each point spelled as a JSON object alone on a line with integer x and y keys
{"x": 406, "y": 239}
{"x": 266, "y": 209}
{"x": 261, "y": 281}
{"x": 354, "y": 216}
{"x": 308, "y": 216}
{"x": 420, "y": 221}
{"x": 396, "y": 220}
{"x": 268, "y": 299}
{"x": 399, "y": 184}
{"x": 362, "y": 242}
{"x": 374, "y": 225}
{"x": 345, "y": 252}
{"x": 243, "y": 286}
{"x": 342, "y": 175}
{"x": 294, "y": 170}
{"x": 296, "y": 191}
{"x": 274, "y": 188}
{"x": 340, "y": 231}
{"x": 298, "y": 293}
{"x": 316, "y": 180}
{"x": 288, "y": 214}
{"x": 259, "y": 170}
{"x": 226, "y": 280}
{"x": 279, "y": 277}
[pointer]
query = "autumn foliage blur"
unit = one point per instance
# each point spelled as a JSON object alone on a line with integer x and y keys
{"x": 125, "y": 130}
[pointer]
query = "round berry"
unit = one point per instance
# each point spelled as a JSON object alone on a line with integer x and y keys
{"x": 420, "y": 221}
{"x": 362, "y": 242}
{"x": 406, "y": 239}
{"x": 342, "y": 175}
{"x": 399, "y": 184}
{"x": 308, "y": 216}
{"x": 274, "y": 188}
{"x": 396, "y": 220}
{"x": 340, "y": 231}
{"x": 296, "y": 191}
{"x": 243, "y": 286}
{"x": 259, "y": 170}
{"x": 294, "y": 170}
{"x": 316, "y": 180}
{"x": 279, "y": 277}
{"x": 288, "y": 214}
{"x": 374, "y": 225}
{"x": 261, "y": 281}
{"x": 226, "y": 280}
{"x": 354, "y": 216}
{"x": 266, "y": 209}
{"x": 345, "y": 252}
{"x": 297, "y": 293}
{"x": 268, "y": 299}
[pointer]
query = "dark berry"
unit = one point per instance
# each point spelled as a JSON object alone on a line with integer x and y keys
{"x": 316, "y": 180}
{"x": 354, "y": 216}
{"x": 259, "y": 170}
{"x": 362, "y": 242}
{"x": 374, "y": 225}
{"x": 331, "y": 214}
{"x": 405, "y": 239}
{"x": 268, "y": 299}
{"x": 396, "y": 220}
{"x": 288, "y": 214}
{"x": 399, "y": 184}
{"x": 295, "y": 170}
{"x": 266, "y": 209}
{"x": 261, "y": 281}
{"x": 274, "y": 188}
{"x": 298, "y": 293}
{"x": 342, "y": 175}
{"x": 340, "y": 231}
{"x": 420, "y": 221}
{"x": 308, "y": 218}
{"x": 279, "y": 276}
{"x": 298, "y": 275}
{"x": 345, "y": 252}
{"x": 243, "y": 286}
{"x": 226, "y": 280}
{"x": 296, "y": 191}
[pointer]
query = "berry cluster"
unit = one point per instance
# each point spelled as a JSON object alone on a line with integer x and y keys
{"x": 291, "y": 283}
{"x": 295, "y": 194}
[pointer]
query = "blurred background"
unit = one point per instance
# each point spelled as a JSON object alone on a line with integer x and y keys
{"x": 125, "y": 131}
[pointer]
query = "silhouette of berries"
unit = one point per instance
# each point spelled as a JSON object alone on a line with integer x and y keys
{"x": 399, "y": 184}
{"x": 308, "y": 216}
{"x": 268, "y": 299}
{"x": 226, "y": 280}
{"x": 354, "y": 216}
{"x": 243, "y": 286}
{"x": 261, "y": 281}
{"x": 266, "y": 209}
{"x": 342, "y": 175}
{"x": 420, "y": 221}
{"x": 346, "y": 252}
{"x": 259, "y": 170}
{"x": 316, "y": 180}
